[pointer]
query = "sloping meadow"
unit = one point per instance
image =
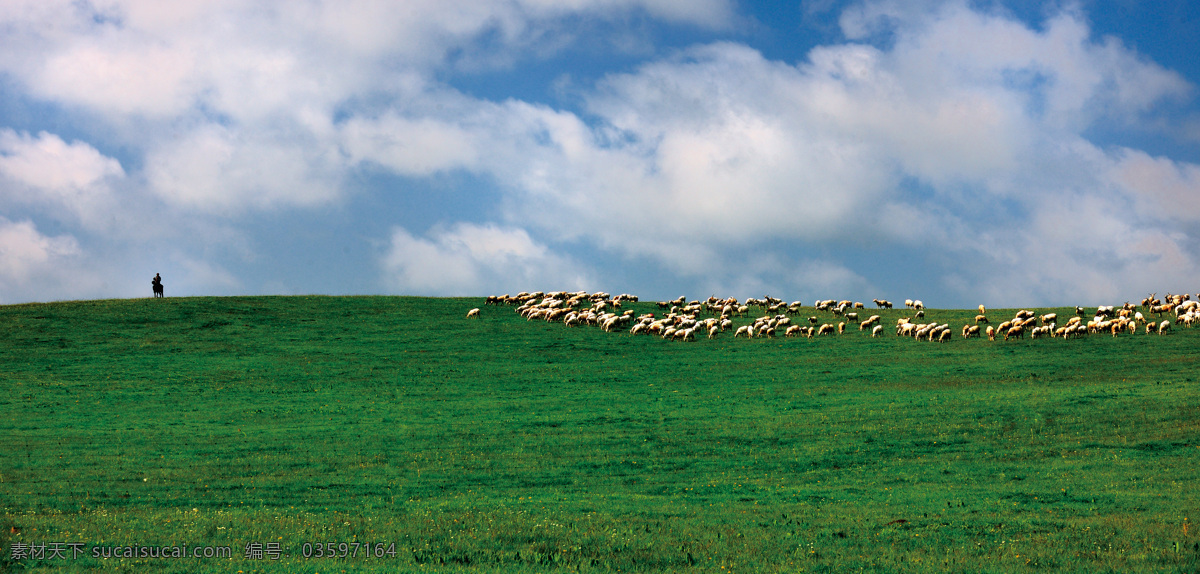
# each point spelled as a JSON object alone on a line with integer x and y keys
{"x": 396, "y": 434}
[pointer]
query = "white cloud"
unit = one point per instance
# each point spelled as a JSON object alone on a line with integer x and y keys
{"x": 1162, "y": 188}
{"x": 410, "y": 146}
{"x": 469, "y": 259}
{"x": 34, "y": 266}
{"x": 955, "y": 137}
{"x": 224, "y": 170}
{"x": 51, "y": 164}
{"x": 47, "y": 171}
{"x": 719, "y": 148}
{"x": 24, "y": 252}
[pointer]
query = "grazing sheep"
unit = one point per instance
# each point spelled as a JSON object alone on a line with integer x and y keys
{"x": 982, "y": 310}
{"x": 918, "y": 304}
{"x": 991, "y": 333}
{"x": 908, "y": 303}
{"x": 1015, "y": 333}
{"x": 473, "y": 313}
{"x": 841, "y": 327}
{"x": 1164, "y": 327}
{"x": 825, "y": 329}
{"x": 743, "y": 330}
{"x": 872, "y": 320}
{"x": 877, "y": 330}
{"x": 981, "y": 318}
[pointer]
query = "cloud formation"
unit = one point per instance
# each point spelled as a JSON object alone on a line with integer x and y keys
{"x": 957, "y": 138}
{"x": 468, "y": 259}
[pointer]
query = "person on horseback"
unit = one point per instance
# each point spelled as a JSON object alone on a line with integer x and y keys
{"x": 156, "y": 283}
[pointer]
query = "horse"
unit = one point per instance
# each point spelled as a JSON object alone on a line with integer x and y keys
{"x": 158, "y": 288}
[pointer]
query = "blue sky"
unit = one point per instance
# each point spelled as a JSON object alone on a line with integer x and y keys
{"x": 1007, "y": 153}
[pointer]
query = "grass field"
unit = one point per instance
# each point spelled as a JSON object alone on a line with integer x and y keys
{"x": 501, "y": 445}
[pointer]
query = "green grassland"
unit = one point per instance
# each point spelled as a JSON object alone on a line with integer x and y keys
{"x": 503, "y": 445}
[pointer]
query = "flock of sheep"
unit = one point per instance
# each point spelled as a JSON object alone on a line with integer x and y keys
{"x": 683, "y": 320}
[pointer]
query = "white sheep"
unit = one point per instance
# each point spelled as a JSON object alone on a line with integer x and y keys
{"x": 1164, "y": 327}
{"x": 473, "y": 313}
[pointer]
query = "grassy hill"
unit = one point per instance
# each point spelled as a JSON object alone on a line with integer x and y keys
{"x": 498, "y": 444}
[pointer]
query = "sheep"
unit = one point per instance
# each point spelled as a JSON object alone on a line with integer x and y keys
{"x": 882, "y": 303}
{"x": 1049, "y": 317}
{"x": 473, "y": 313}
{"x": 841, "y": 327}
{"x": 825, "y": 329}
{"x": 908, "y": 303}
{"x": 1164, "y": 327}
{"x": 981, "y": 318}
{"x": 917, "y": 304}
{"x": 878, "y": 329}
{"x": 944, "y": 335}
{"x": 872, "y": 320}
{"x": 1014, "y": 332}
{"x": 991, "y": 333}
{"x": 793, "y": 330}
{"x": 982, "y": 310}
{"x": 743, "y": 330}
